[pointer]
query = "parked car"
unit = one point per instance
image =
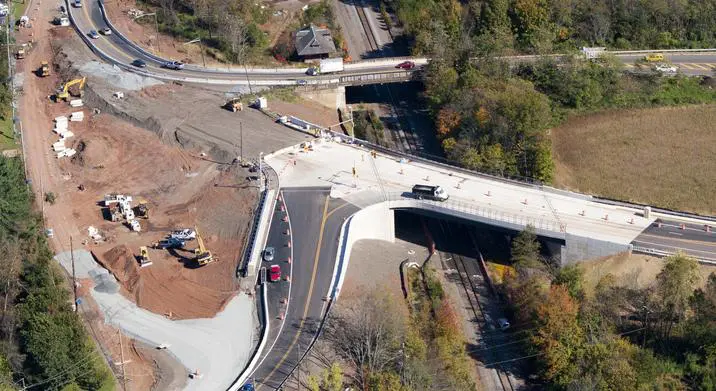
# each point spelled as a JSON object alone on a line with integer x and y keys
{"x": 50, "y": 233}
{"x": 183, "y": 234}
{"x": 269, "y": 253}
{"x": 77, "y": 3}
{"x": 503, "y": 324}
{"x": 406, "y": 65}
{"x": 169, "y": 243}
{"x": 666, "y": 68}
{"x": 176, "y": 65}
{"x": 106, "y": 31}
{"x": 93, "y": 34}
{"x": 139, "y": 63}
{"x": 275, "y": 273}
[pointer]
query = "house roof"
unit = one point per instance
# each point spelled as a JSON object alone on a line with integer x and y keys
{"x": 313, "y": 41}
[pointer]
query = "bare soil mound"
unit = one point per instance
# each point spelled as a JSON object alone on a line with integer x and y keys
{"x": 91, "y": 152}
{"x": 121, "y": 262}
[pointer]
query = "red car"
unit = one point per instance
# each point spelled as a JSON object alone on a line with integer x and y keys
{"x": 406, "y": 65}
{"x": 275, "y": 273}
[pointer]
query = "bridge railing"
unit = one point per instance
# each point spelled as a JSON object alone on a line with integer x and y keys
{"x": 486, "y": 214}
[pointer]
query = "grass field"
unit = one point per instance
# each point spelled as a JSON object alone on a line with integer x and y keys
{"x": 7, "y": 140}
{"x": 662, "y": 156}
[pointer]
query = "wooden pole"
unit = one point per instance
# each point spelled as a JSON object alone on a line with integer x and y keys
{"x": 121, "y": 355}
{"x": 74, "y": 277}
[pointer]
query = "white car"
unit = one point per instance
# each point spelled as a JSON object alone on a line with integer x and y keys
{"x": 665, "y": 68}
{"x": 183, "y": 234}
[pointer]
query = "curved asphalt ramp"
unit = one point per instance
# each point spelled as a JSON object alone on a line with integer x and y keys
{"x": 87, "y": 267}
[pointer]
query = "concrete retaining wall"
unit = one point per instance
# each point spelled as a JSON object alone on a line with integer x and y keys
{"x": 579, "y": 248}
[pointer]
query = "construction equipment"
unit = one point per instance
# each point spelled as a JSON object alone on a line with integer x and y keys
{"x": 115, "y": 213}
{"x": 144, "y": 257}
{"x": 201, "y": 254}
{"x": 63, "y": 93}
{"x": 44, "y": 70}
{"x": 143, "y": 209}
{"x": 234, "y": 105}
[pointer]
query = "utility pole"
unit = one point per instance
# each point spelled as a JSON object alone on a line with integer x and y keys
{"x": 74, "y": 279}
{"x": 241, "y": 141}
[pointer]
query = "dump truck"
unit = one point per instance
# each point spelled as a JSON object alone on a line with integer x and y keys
{"x": 44, "y": 70}
{"x": 328, "y": 65}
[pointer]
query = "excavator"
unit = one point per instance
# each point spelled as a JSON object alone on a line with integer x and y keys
{"x": 63, "y": 93}
{"x": 201, "y": 254}
{"x": 143, "y": 209}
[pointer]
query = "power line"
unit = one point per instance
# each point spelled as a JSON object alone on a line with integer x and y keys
{"x": 79, "y": 364}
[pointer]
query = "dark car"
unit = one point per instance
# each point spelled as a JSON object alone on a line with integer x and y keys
{"x": 169, "y": 243}
{"x": 176, "y": 65}
{"x": 93, "y": 34}
{"x": 406, "y": 65}
{"x": 301, "y": 82}
{"x": 139, "y": 63}
{"x": 275, "y": 273}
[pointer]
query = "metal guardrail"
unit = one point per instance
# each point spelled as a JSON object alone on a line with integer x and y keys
{"x": 662, "y": 253}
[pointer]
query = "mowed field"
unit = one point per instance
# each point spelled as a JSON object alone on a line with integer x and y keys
{"x": 662, "y": 156}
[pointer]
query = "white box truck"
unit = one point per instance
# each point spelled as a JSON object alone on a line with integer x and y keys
{"x": 328, "y": 65}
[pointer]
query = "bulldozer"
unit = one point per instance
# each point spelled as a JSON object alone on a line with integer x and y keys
{"x": 143, "y": 210}
{"x": 44, "y": 70}
{"x": 144, "y": 257}
{"x": 234, "y": 105}
{"x": 63, "y": 93}
{"x": 201, "y": 254}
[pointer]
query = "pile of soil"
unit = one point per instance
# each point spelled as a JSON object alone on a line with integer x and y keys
{"x": 91, "y": 152}
{"x": 121, "y": 262}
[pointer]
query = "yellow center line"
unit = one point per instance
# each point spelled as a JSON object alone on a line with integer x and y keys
{"x": 310, "y": 291}
{"x": 336, "y": 209}
{"x": 95, "y": 28}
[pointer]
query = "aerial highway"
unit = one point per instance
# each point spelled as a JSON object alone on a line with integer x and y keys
{"x": 119, "y": 50}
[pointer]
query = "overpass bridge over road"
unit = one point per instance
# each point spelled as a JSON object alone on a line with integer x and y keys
{"x": 588, "y": 227}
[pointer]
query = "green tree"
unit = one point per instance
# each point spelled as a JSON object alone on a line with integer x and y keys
{"x": 674, "y": 286}
{"x": 571, "y": 277}
{"x": 525, "y": 249}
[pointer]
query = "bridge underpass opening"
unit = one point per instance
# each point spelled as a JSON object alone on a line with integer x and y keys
{"x": 403, "y": 114}
{"x": 460, "y": 236}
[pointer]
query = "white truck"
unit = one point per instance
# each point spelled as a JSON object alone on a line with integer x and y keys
{"x": 328, "y": 65}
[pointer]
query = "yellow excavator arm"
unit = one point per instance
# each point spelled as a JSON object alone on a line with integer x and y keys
{"x": 65, "y": 93}
{"x": 200, "y": 241}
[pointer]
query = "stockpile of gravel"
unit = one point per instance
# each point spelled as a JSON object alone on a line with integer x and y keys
{"x": 118, "y": 78}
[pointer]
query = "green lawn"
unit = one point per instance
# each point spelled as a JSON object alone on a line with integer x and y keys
{"x": 18, "y": 8}
{"x": 7, "y": 139}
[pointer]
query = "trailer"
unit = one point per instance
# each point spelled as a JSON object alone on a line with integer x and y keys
{"x": 328, "y": 65}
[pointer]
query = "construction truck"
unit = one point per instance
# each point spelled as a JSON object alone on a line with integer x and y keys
{"x": 44, "y": 70}
{"x": 142, "y": 210}
{"x": 63, "y": 93}
{"x": 202, "y": 256}
{"x": 115, "y": 213}
{"x": 234, "y": 105}
{"x": 144, "y": 257}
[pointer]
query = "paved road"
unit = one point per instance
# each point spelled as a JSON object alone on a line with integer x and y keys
{"x": 316, "y": 222}
{"x": 672, "y": 236}
{"x": 90, "y": 17}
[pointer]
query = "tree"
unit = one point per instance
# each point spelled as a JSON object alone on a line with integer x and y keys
{"x": 674, "y": 286}
{"x": 367, "y": 334}
{"x": 331, "y": 379}
{"x": 571, "y": 276}
{"x": 525, "y": 248}
{"x": 559, "y": 336}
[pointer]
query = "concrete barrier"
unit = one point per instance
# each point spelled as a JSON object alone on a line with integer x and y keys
{"x": 244, "y": 376}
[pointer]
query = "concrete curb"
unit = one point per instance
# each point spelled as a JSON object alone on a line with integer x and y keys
{"x": 257, "y": 353}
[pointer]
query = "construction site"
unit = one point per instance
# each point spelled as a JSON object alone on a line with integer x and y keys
{"x": 156, "y": 181}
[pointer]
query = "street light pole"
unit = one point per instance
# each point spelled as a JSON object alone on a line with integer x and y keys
{"x": 156, "y": 27}
{"x": 195, "y": 40}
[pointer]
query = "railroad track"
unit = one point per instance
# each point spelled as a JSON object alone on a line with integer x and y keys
{"x": 473, "y": 296}
{"x": 372, "y": 42}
